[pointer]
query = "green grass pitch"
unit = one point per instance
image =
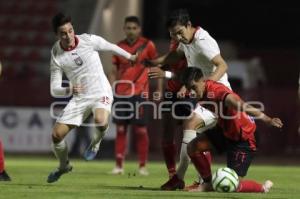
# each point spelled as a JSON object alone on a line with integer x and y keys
{"x": 91, "y": 180}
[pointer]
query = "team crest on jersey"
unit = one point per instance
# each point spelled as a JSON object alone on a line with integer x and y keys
{"x": 78, "y": 61}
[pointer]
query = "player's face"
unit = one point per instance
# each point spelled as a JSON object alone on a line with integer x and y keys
{"x": 66, "y": 35}
{"x": 198, "y": 87}
{"x": 181, "y": 33}
{"x": 132, "y": 30}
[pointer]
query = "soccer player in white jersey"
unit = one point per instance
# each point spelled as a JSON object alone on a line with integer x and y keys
{"x": 200, "y": 50}
{"x": 77, "y": 57}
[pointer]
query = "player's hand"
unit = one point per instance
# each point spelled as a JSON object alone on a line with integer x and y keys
{"x": 181, "y": 93}
{"x": 156, "y": 72}
{"x": 133, "y": 58}
{"x": 77, "y": 89}
{"x": 276, "y": 122}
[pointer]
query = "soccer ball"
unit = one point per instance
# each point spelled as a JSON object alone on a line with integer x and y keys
{"x": 225, "y": 180}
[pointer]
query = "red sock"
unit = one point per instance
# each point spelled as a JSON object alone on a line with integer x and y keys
{"x": 1, "y": 157}
{"x": 250, "y": 186}
{"x": 142, "y": 143}
{"x": 169, "y": 152}
{"x": 208, "y": 156}
{"x": 120, "y": 145}
{"x": 201, "y": 161}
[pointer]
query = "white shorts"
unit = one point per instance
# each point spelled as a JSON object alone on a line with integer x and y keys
{"x": 77, "y": 110}
{"x": 209, "y": 118}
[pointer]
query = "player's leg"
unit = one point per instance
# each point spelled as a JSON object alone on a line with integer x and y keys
{"x": 142, "y": 146}
{"x": 239, "y": 158}
{"x": 60, "y": 150}
{"x": 189, "y": 133}
{"x": 120, "y": 148}
{"x": 139, "y": 128}
{"x": 3, "y": 174}
{"x": 101, "y": 118}
{"x": 198, "y": 151}
{"x": 168, "y": 143}
{"x": 201, "y": 120}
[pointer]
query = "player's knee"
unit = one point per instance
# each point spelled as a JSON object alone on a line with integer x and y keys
{"x": 56, "y": 136}
{"x": 193, "y": 123}
{"x": 101, "y": 120}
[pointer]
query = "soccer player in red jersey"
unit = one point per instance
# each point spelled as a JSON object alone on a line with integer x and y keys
{"x": 3, "y": 174}
{"x": 131, "y": 86}
{"x": 173, "y": 85}
{"x": 234, "y": 132}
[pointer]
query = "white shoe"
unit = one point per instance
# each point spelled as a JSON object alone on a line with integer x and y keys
{"x": 143, "y": 171}
{"x": 117, "y": 171}
{"x": 267, "y": 186}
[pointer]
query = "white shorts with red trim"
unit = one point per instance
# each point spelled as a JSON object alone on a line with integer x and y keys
{"x": 209, "y": 118}
{"x": 78, "y": 109}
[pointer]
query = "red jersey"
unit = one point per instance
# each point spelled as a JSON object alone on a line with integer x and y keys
{"x": 174, "y": 85}
{"x": 236, "y": 125}
{"x": 137, "y": 73}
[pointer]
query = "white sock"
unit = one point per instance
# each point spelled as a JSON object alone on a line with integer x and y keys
{"x": 61, "y": 152}
{"x": 188, "y": 135}
{"x": 97, "y": 138}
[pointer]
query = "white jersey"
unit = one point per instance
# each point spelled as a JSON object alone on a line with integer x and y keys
{"x": 82, "y": 65}
{"x": 201, "y": 51}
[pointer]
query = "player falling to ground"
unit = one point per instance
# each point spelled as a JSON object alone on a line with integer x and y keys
{"x": 134, "y": 92}
{"x": 3, "y": 174}
{"x": 77, "y": 57}
{"x": 202, "y": 51}
{"x": 234, "y": 132}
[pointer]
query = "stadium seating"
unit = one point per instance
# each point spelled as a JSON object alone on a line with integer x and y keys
{"x": 25, "y": 43}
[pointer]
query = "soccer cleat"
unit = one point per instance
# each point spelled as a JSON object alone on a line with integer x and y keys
{"x": 173, "y": 184}
{"x": 4, "y": 176}
{"x": 117, "y": 171}
{"x": 55, "y": 175}
{"x": 143, "y": 171}
{"x": 267, "y": 186}
{"x": 203, "y": 187}
{"x": 90, "y": 153}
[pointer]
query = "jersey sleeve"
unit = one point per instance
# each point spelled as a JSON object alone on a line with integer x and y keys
{"x": 208, "y": 46}
{"x": 152, "y": 52}
{"x": 101, "y": 44}
{"x": 56, "y": 71}
{"x": 218, "y": 91}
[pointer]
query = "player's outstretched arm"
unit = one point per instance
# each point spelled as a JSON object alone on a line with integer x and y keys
{"x": 239, "y": 105}
{"x": 170, "y": 58}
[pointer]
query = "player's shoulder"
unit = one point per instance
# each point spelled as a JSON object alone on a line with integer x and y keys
{"x": 55, "y": 49}
{"x": 85, "y": 36}
{"x": 200, "y": 33}
{"x": 214, "y": 85}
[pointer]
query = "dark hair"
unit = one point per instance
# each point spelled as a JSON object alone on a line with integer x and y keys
{"x": 60, "y": 19}
{"x": 180, "y": 16}
{"x": 189, "y": 75}
{"x": 133, "y": 19}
